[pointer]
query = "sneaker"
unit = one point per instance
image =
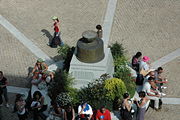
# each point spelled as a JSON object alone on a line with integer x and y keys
{"x": 163, "y": 87}
{"x": 7, "y": 105}
{"x": 1, "y": 105}
{"x": 163, "y": 94}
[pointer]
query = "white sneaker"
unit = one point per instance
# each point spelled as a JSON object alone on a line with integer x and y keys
{"x": 1, "y": 105}
{"x": 163, "y": 94}
{"x": 7, "y": 105}
{"x": 163, "y": 87}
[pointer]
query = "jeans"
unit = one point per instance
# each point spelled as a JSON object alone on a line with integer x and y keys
{"x": 4, "y": 93}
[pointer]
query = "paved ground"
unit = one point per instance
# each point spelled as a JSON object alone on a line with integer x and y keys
{"x": 150, "y": 26}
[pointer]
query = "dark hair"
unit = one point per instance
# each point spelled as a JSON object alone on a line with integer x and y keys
{"x": 142, "y": 94}
{"x": 126, "y": 95}
{"x": 37, "y": 93}
{"x": 160, "y": 68}
{"x": 151, "y": 78}
{"x": 57, "y": 19}
{"x": 1, "y": 72}
{"x": 138, "y": 54}
{"x": 98, "y": 27}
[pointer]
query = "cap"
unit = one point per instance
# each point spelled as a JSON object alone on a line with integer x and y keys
{"x": 40, "y": 60}
{"x": 54, "y": 17}
{"x": 145, "y": 58}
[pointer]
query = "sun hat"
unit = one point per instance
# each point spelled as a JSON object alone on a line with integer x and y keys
{"x": 145, "y": 59}
{"x": 54, "y": 18}
{"x": 40, "y": 60}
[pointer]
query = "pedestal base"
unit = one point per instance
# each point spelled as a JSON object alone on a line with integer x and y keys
{"x": 87, "y": 72}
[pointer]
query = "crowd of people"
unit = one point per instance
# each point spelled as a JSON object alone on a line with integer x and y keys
{"x": 149, "y": 85}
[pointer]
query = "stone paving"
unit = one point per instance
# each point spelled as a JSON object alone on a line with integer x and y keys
{"x": 150, "y": 26}
{"x": 15, "y": 59}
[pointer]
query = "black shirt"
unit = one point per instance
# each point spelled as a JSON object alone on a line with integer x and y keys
{"x": 3, "y": 81}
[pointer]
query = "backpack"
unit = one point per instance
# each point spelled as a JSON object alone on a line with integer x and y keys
{"x": 139, "y": 79}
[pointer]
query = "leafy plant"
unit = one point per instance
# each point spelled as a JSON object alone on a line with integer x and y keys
{"x": 61, "y": 83}
{"x": 121, "y": 70}
{"x": 63, "y": 50}
{"x": 63, "y": 99}
{"x": 115, "y": 88}
{"x": 117, "y": 50}
{"x": 95, "y": 94}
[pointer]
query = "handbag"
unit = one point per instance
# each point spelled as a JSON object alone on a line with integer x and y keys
{"x": 144, "y": 72}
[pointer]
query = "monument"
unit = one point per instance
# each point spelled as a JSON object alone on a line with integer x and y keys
{"x": 90, "y": 59}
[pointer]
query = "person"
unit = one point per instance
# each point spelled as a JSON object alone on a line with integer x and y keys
{"x": 57, "y": 113}
{"x": 36, "y": 78}
{"x": 142, "y": 105}
{"x": 103, "y": 114}
{"x": 144, "y": 64}
{"x": 37, "y": 105}
{"x": 40, "y": 66}
{"x": 20, "y": 107}
{"x": 159, "y": 80}
{"x": 69, "y": 113}
{"x": 126, "y": 107}
{"x": 48, "y": 76}
{"x": 56, "y": 39}
{"x": 85, "y": 111}
{"x": 152, "y": 94}
{"x": 99, "y": 31}
{"x": 3, "y": 89}
{"x": 136, "y": 61}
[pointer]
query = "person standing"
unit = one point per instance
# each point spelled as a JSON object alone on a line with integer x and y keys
{"x": 56, "y": 39}
{"x": 103, "y": 114}
{"x": 3, "y": 89}
{"x": 99, "y": 31}
{"x": 126, "y": 106}
{"x": 142, "y": 105}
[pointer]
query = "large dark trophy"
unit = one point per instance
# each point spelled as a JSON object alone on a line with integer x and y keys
{"x": 90, "y": 48}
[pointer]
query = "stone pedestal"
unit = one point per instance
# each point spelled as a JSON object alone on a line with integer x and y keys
{"x": 87, "y": 72}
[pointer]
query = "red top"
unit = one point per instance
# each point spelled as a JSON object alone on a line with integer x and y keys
{"x": 56, "y": 28}
{"x": 103, "y": 116}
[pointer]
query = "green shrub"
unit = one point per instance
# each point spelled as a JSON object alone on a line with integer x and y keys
{"x": 61, "y": 83}
{"x": 115, "y": 88}
{"x": 63, "y": 99}
{"x": 63, "y": 50}
{"x": 95, "y": 94}
{"x": 117, "y": 50}
{"x": 121, "y": 70}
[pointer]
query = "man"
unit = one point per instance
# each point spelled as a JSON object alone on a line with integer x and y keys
{"x": 85, "y": 111}
{"x": 152, "y": 94}
{"x": 3, "y": 89}
{"x": 103, "y": 114}
{"x": 159, "y": 80}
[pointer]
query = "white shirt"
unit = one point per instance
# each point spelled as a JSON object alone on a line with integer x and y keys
{"x": 88, "y": 112}
{"x": 144, "y": 65}
{"x": 147, "y": 88}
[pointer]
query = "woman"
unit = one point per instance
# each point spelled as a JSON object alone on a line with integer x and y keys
{"x": 69, "y": 113}
{"x": 40, "y": 66}
{"x": 135, "y": 61}
{"x": 37, "y": 105}
{"x": 20, "y": 107}
{"x": 142, "y": 105}
{"x": 58, "y": 113}
{"x": 126, "y": 106}
{"x": 144, "y": 64}
{"x": 56, "y": 39}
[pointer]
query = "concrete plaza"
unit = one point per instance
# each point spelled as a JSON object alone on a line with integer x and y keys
{"x": 149, "y": 26}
